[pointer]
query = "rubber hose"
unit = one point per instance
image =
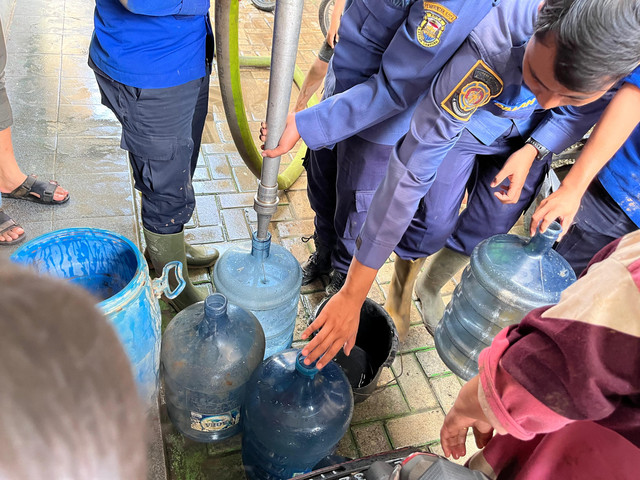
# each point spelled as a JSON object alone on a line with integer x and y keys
{"x": 229, "y": 61}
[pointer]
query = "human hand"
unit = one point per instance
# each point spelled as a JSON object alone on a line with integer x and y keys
{"x": 453, "y": 434}
{"x": 287, "y": 141}
{"x": 332, "y": 34}
{"x": 338, "y": 325}
{"x": 562, "y": 204}
{"x": 515, "y": 169}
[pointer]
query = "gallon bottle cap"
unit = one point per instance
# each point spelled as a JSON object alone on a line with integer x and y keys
{"x": 304, "y": 369}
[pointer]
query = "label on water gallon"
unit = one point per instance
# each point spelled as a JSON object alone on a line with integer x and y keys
{"x": 203, "y": 422}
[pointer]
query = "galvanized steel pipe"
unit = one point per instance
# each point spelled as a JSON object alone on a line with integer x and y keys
{"x": 286, "y": 30}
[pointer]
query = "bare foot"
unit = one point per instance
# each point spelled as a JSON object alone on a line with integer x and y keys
{"x": 9, "y": 229}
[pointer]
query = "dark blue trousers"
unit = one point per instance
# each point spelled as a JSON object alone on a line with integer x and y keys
{"x": 162, "y": 131}
{"x": 599, "y": 221}
{"x": 469, "y": 165}
{"x": 340, "y": 185}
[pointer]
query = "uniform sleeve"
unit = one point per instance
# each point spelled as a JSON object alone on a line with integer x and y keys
{"x": 564, "y": 126}
{"x": 577, "y": 360}
{"x": 406, "y": 71}
{"x": 160, "y": 8}
{"x": 435, "y": 126}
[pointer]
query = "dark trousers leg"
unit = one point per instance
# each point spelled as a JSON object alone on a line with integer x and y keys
{"x": 438, "y": 211}
{"x": 599, "y": 221}
{"x": 159, "y": 130}
{"x": 472, "y": 166}
{"x": 361, "y": 167}
{"x": 321, "y": 191}
{"x": 485, "y": 215}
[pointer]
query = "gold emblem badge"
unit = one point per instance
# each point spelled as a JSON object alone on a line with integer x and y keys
{"x": 436, "y": 18}
{"x": 479, "y": 85}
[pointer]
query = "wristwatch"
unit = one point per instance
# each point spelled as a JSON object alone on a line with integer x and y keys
{"x": 542, "y": 150}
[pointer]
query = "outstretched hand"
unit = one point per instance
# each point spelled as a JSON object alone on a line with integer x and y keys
{"x": 337, "y": 326}
{"x": 453, "y": 434}
{"x": 515, "y": 169}
{"x": 287, "y": 141}
{"x": 563, "y": 204}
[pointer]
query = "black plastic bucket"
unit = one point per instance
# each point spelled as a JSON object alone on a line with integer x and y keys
{"x": 375, "y": 348}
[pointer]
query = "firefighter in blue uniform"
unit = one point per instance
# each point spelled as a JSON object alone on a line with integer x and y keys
{"x": 601, "y": 193}
{"x": 389, "y": 51}
{"x": 523, "y": 57}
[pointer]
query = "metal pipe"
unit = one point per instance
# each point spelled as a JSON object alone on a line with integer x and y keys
{"x": 286, "y": 31}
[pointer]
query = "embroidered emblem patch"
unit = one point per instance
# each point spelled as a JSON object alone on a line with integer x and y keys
{"x": 436, "y": 18}
{"x": 478, "y": 86}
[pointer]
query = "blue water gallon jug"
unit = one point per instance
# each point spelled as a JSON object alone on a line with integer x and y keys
{"x": 264, "y": 279}
{"x": 112, "y": 268}
{"x": 295, "y": 415}
{"x": 209, "y": 351}
{"x": 508, "y": 276}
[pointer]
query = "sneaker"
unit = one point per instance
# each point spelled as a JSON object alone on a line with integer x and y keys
{"x": 318, "y": 263}
{"x": 336, "y": 282}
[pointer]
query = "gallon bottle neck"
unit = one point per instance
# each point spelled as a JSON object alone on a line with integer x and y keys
{"x": 541, "y": 242}
{"x": 215, "y": 315}
{"x": 260, "y": 248}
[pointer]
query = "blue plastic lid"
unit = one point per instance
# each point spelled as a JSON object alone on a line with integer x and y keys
{"x": 303, "y": 368}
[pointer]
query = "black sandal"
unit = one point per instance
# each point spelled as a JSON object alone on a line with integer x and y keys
{"x": 43, "y": 191}
{"x": 7, "y": 223}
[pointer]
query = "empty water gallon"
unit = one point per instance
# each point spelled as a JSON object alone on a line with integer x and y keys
{"x": 266, "y": 280}
{"x": 295, "y": 415}
{"x": 112, "y": 268}
{"x": 508, "y": 276}
{"x": 209, "y": 351}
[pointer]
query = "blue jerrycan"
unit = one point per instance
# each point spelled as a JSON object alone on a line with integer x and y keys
{"x": 265, "y": 279}
{"x": 508, "y": 276}
{"x": 295, "y": 415}
{"x": 209, "y": 351}
{"x": 112, "y": 268}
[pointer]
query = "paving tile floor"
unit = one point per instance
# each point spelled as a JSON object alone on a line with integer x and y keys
{"x": 62, "y": 132}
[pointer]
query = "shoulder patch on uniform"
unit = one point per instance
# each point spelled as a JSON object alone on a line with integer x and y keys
{"x": 436, "y": 18}
{"x": 478, "y": 86}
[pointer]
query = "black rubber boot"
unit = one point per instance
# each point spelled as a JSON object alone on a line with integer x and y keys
{"x": 164, "y": 249}
{"x": 336, "y": 283}
{"x": 318, "y": 263}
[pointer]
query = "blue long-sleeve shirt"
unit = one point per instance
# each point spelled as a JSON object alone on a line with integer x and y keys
{"x": 152, "y": 43}
{"x": 480, "y": 89}
{"x": 621, "y": 175}
{"x": 378, "y": 88}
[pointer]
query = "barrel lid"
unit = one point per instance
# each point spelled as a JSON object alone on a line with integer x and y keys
{"x": 257, "y": 282}
{"x": 519, "y": 276}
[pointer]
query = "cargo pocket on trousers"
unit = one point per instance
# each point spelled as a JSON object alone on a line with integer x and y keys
{"x": 151, "y": 161}
{"x": 358, "y": 213}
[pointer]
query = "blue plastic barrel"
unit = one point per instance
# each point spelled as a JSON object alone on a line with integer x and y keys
{"x": 294, "y": 416}
{"x": 112, "y": 268}
{"x": 265, "y": 279}
{"x": 209, "y": 351}
{"x": 508, "y": 276}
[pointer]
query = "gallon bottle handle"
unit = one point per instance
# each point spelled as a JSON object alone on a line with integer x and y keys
{"x": 161, "y": 285}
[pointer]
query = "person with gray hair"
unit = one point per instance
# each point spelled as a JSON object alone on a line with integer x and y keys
{"x": 69, "y": 408}
{"x": 507, "y": 97}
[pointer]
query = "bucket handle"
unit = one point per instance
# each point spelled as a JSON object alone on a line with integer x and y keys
{"x": 161, "y": 285}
